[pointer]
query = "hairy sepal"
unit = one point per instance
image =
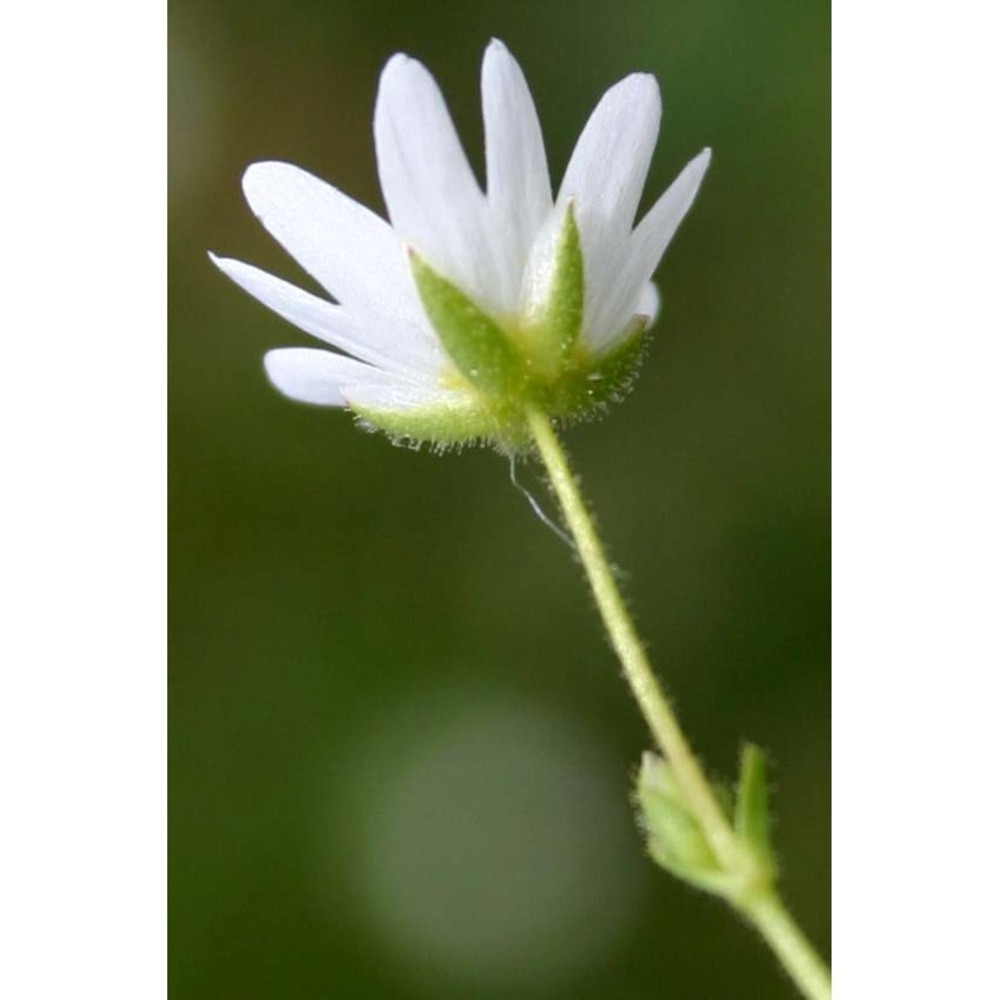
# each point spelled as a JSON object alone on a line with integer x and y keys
{"x": 446, "y": 427}
{"x": 554, "y": 310}
{"x": 591, "y": 384}
{"x": 475, "y": 342}
{"x": 542, "y": 364}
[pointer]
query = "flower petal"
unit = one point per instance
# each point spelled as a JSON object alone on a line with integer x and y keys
{"x": 315, "y": 376}
{"x": 645, "y": 248}
{"x": 519, "y": 192}
{"x": 605, "y": 178}
{"x": 349, "y": 250}
{"x": 608, "y": 168}
{"x": 430, "y": 192}
{"x": 649, "y": 303}
{"x": 400, "y": 348}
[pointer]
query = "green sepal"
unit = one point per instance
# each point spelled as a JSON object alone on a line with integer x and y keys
{"x": 502, "y": 372}
{"x": 553, "y": 332}
{"x": 752, "y": 813}
{"x": 611, "y": 375}
{"x": 475, "y": 343}
{"x": 445, "y": 427}
{"x": 499, "y": 419}
{"x": 590, "y": 384}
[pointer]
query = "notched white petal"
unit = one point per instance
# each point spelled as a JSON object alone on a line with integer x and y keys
{"x": 608, "y": 168}
{"x": 355, "y": 255}
{"x": 646, "y": 247}
{"x": 519, "y": 191}
{"x": 395, "y": 347}
{"x": 658, "y": 226}
{"x": 315, "y": 376}
{"x": 328, "y": 379}
{"x": 605, "y": 177}
{"x": 431, "y": 194}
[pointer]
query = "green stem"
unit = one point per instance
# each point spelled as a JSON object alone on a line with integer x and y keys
{"x": 778, "y": 928}
{"x": 627, "y": 644}
{"x": 763, "y": 907}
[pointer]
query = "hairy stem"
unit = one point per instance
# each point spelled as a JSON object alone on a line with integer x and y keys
{"x": 778, "y": 928}
{"x": 759, "y": 903}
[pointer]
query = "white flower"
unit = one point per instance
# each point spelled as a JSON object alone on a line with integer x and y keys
{"x": 470, "y": 306}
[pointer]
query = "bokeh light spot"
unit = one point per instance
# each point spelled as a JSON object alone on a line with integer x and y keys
{"x": 497, "y": 845}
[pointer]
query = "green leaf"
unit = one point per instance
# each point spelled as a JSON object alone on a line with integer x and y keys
{"x": 474, "y": 342}
{"x": 752, "y": 816}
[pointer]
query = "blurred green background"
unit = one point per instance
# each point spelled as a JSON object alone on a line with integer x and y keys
{"x": 400, "y": 747}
